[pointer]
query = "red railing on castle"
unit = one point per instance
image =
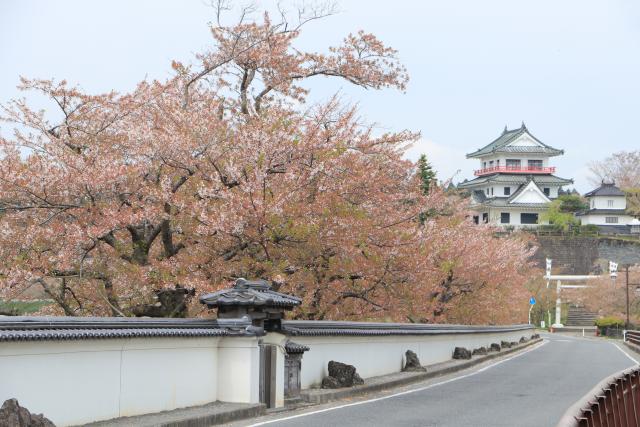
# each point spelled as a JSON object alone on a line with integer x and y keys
{"x": 515, "y": 169}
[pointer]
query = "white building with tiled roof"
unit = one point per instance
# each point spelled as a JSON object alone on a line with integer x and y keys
{"x": 515, "y": 181}
{"x": 607, "y": 208}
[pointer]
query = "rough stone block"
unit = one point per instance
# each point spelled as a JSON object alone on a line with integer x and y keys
{"x": 412, "y": 363}
{"x": 461, "y": 353}
{"x": 14, "y": 415}
{"x": 480, "y": 350}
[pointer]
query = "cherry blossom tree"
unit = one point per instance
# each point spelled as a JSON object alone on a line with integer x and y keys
{"x": 622, "y": 167}
{"x": 225, "y": 171}
{"x": 608, "y": 298}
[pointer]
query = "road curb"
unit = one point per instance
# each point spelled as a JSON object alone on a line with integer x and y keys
{"x": 196, "y": 416}
{"x": 375, "y": 384}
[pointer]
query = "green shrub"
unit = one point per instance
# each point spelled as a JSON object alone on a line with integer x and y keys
{"x": 21, "y": 308}
{"x": 609, "y": 322}
{"x": 571, "y": 203}
{"x": 589, "y": 229}
{"x": 550, "y": 228}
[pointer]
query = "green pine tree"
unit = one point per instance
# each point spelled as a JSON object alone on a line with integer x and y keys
{"x": 427, "y": 181}
{"x": 427, "y": 174}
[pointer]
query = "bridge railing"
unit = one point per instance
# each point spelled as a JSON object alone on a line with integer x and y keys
{"x": 613, "y": 402}
{"x": 633, "y": 337}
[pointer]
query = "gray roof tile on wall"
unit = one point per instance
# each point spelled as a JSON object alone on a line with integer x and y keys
{"x": 292, "y": 347}
{"x": 79, "y": 334}
{"x": 337, "y": 328}
{"x": 28, "y": 328}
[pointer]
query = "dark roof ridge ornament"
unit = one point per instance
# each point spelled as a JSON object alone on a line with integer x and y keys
{"x": 523, "y": 126}
{"x": 243, "y": 283}
{"x": 505, "y": 130}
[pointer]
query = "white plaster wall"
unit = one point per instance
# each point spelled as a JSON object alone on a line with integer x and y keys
{"x": 515, "y": 156}
{"x": 239, "y": 370}
{"x": 76, "y": 382}
{"x": 70, "y": 382}
{"x": 602, "y": 202}
{"x": 494, "y": 217}
{"x": 380, "y": 355}
{"x": 601, "y": 219}
{"x": 158, "y": 374}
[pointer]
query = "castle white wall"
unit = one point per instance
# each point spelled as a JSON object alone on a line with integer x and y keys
{"x": 495, "y": 215}
{"x": 498, "y": 190}
{"x": 611, "y": 202}
{"x": 600, "y": 219}
{"x": 502, "y": 158}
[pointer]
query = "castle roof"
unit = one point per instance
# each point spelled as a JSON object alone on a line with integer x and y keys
{"x": 515, "y": 200}
{"x": 503, "y": 144}
{"x": 606, "y": 190}
{"x": 515, "y": 179}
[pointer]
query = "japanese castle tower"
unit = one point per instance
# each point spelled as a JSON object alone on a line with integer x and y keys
{"x": 515, "y": 181}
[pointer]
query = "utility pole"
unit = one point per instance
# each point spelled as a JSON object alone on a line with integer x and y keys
{"x": 626, "y": 325}
{"x": 627, "y": 284}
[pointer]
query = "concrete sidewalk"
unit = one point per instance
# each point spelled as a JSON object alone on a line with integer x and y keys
{"x": 196, "y": 416}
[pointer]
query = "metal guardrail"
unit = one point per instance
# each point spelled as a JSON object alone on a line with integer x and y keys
{"x": 633, "y": 337}
{"x": 614, "y": 402}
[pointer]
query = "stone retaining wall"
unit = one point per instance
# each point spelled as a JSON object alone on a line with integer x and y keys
{"x": 584, "y": 255}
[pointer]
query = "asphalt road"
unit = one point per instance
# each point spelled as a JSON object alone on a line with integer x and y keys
{"x": 533, "y": 388}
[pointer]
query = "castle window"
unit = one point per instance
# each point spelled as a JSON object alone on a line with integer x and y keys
{"x": 507, "y": 191}
{"x": 610, "y": 203}
{"x": 611, "y": 220}
{"x": 513, "y": 163}
{"x": 528, "y": 218}
{"x": 546, "y": 191}
{"x": 534, "y": 164}
{"x": 505, "y": 217}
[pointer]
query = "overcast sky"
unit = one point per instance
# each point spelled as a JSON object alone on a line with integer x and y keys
{"x": 570, "y": 69}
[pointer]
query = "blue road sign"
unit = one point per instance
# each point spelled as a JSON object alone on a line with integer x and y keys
{"x": 532, "y": 301}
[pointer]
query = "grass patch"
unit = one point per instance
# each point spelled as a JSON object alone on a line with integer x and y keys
{"x": 19, "y": 308}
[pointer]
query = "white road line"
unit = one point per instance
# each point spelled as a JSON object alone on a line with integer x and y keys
{"x": 333, "y": 408}
{"x": 626, "y": 354}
